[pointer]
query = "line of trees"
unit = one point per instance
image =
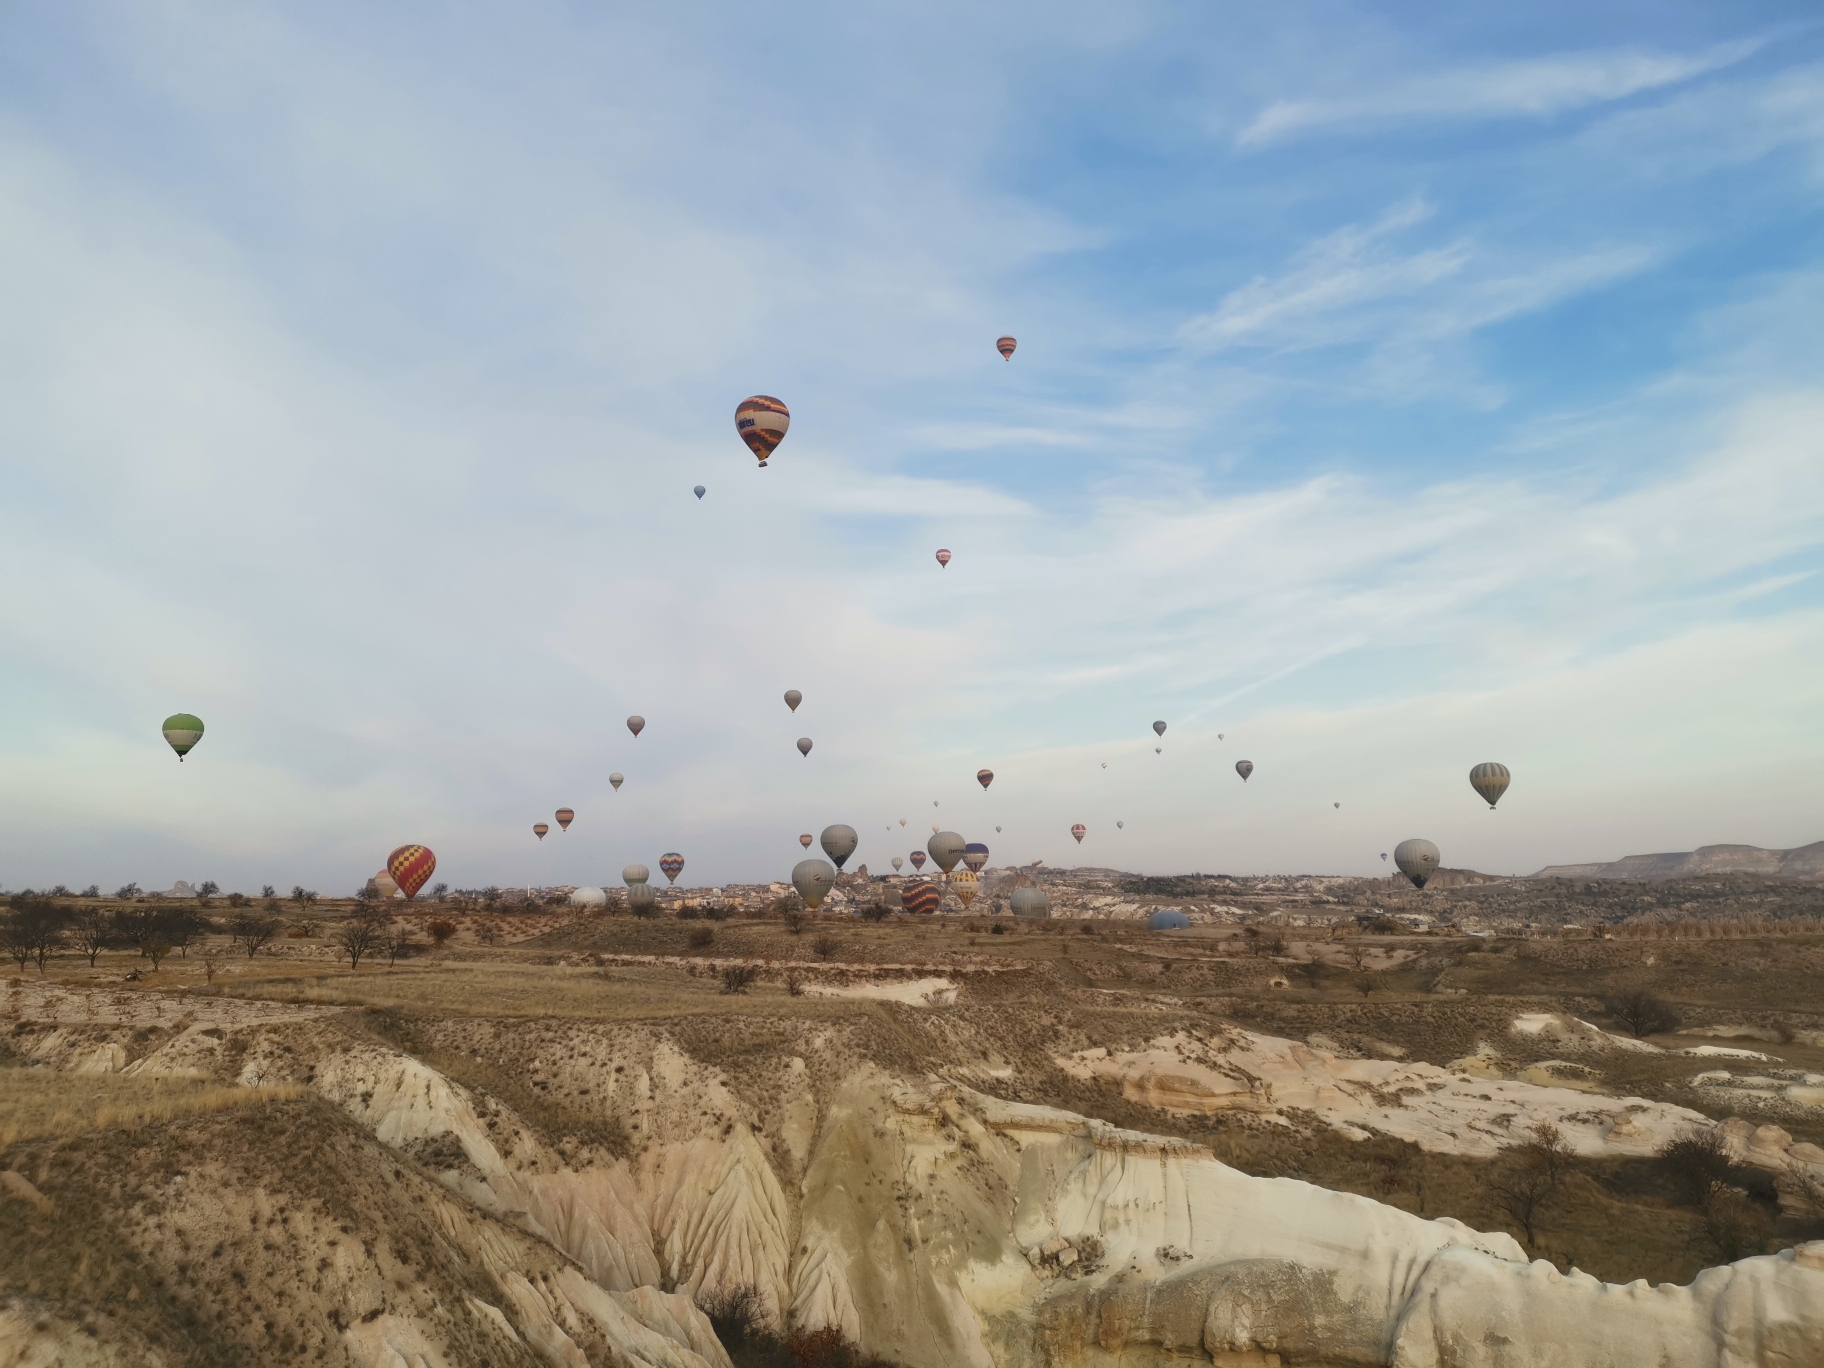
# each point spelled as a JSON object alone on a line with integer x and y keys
{"x": 34, "y": 927}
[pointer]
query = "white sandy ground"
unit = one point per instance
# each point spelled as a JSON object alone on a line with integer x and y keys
{"x": 940, "y": 1226}
{"x": 921, "y": 992}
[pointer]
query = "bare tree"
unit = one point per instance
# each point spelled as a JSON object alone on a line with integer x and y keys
{"x": 359, "y": 936}
{"x": 795, "y": 919}
{"x": 1697, "y": 1163}
{"x": 1528, "y": 1176}
{"x": 156, "y": 950}
{"x": 825, "y": 946}
{"x": 268, "y": 891}
{"x": 251, "y": 930}
{"x": 33, "y": 927}
{"x": 441, "y": 930}
{"x": 1642, "y": 1013}
{"x": 211, "y": 967}
{"x": 92, "y": 932}
{"x": 397, "y": 942}
{"x": 207, "y": 890}
{"x": 738, "y": 978}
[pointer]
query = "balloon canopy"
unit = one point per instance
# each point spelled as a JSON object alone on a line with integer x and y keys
{"x": 539, "y": 829}
{"x": 946, "y": 848}
{"x": 804, "y": 745}
{"x": 839, "y": 842}
{"x": 1491, "y": 781}
{"x": 1030, "y": 902}
{"x": 965, "y": 885}
{"x": 920, "y": 896}
{"x": 698, "y": 491}
{"x": 793, "y": 698}
{"x": 636, "y": 724}
{"x": 813, "y": 879}
{"x": 805, "y": 838}
{"x": 975, "y": 855}
{"x": 898, "y": 864}
{"x": 943, "y": 555}
{"x": 918, "y": 859}
{"x": 1168, "y": 919}
{"x": 984, "y": 777}
{"x": 588, "y": 897}
{"x": 1005, "y": 346}
{"x": 1417, "y": 859}
{"x": 617, "y": 779}
{"x": 1158, "y": 729}
{"x": 410, "y": 866}
{"x": 182, "y": 731}
{"x": 1079, "y": 831}
{"x": 1244, "y": 768}
{"x": 565, "y": 816}
{"x": 671, "y": 864}
{"x": 635, "y": 874}
{"x": 762, "y": 421}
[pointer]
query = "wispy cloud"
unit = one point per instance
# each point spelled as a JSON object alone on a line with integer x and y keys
{"x": 1535, "y": 87}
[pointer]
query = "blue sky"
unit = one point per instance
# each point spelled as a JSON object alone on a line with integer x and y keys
{"x": 1391, "y": 396}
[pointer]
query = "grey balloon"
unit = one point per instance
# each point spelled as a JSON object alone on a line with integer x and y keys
{"x": 793, "y": 698}
{"x": 813, "y": 879}
{"x": 898, "y": 864}
{"x": 698, "y": 491}
{"x": 1244, "y": 768}
{"x": 1030, "y": 902}
{"x": 1168, "y": 919}
{"x": 635, "y": 874}
{"x": 641, "y": 896}
{"x": 1418, "y": 860}
{"x": 946, "y": 848}
{"x": 617, "y": 779}
{"x": 839, "y": 842}
{"x": 636, "y": 724}
{"x": 804, "y": 745}
{"x": 1158, "y": 729}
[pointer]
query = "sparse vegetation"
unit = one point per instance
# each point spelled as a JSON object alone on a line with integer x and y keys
{"x": 1642, "y": 1013}
{"x": 738, "y": 978}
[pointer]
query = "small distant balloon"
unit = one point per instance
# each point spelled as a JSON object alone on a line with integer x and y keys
{"x": 997, "y": 828}
{"x": 805, "y": 839}
{"x": 902, "y": 821}
{"x": 565, "y": 816}
{"x": 636, "y": 724}
{"x": 1078, "y": 831}
{"x": 1158, "y": 750}
{"x": 1005, "y": 346}
{"x": 1105, "y": 764}
{"x": 1336, "y": 805}
{"x": 1120, "y": 825}
{"x": 1158, "y": 729}
{"x": 943, "y": 555}
{"x": 699, "y": 491}
{"x": 1219, "y": 736}
{"x": 182, "y": 731}
{"x": 671, "y": 864}
{"x": 1244, "y": 768}
{"x": 934, "y": 828}
{"x": 804, "y": 745}
{"x": 762, "y": 420}
{"x": 539, "y": 829}
{"x": 793, "y": 698}
{"x": 1491, "y": 781}
{"x": 898, "y": 864}
{"x": 984, "y": 777}
{"x": 918, "y": 859}
{"x": 1383, "y": 854}
{"x": 617, "y": 779}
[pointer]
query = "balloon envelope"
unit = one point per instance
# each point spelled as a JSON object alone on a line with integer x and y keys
{"x": 838, "y": 842}
{"x": 1030, "y": 902}
{"x": 975, "y": 855}
{"x": 898, "y": 864}
{"x": 565, "y": 816}
{"x": 1079, "y": 830}
{"x": 182, "y": 731}
{"x": 921, "y": 896}
{"x": 642, "y": 895}
{"x": 635, "y": 874}
{"x": 804, "y": 745}
{"x": 1158, "y": 729}
{"x": 636, "y": 724}
{"x": 1120, "y": 825}
{"x": 1244, "y": 768}
{"x": 1168, "y": 919}
{"x": 918, "y": 859}
{"x": 946, "y": 848}
{"x": 671, "y": 864}
{"x": 698, "y": 491}
{"x": 410, "y": 866}
{"x": 943, "y": 555}
{"x": 964, "y": 884}
{"x": 805, "y": 839}
{"x": 1417, "y": 859}
{"x": 793, "y": 698}
{"x": 813, "y": 879}
{"x": 617, "y": 779}
{"x": 762, "y": 420}
{"x": 588, "y": 897}
{"x": 984, "y": 777}
{"x": 539, "y": 829}
{"x": 1005, "y": 346}
{"x": 1490, "y": 780}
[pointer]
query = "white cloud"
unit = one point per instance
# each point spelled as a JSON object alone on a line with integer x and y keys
{"x": 1534, "y": 87}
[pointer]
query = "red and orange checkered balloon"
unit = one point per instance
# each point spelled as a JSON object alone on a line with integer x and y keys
{"x": 410, "y": 866}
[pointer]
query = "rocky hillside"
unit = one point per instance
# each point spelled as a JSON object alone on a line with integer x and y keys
{"x": 1803, "y": 862}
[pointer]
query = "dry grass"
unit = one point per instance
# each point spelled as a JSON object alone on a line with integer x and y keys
{"x": 42, "y": 1102}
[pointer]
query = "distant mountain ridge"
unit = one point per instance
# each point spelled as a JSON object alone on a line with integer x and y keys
{"x": 1803, "y": 862}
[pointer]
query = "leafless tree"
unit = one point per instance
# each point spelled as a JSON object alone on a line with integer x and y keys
{"x": 92, "y": 932}
{"x": 1642, "y": 1013}
{"x": 441, "y": 930}
{"x": 795, "y": 920}
{"x": 1528, "y": 1175}
{"x": 358, "y": 937}
{"x": 251, "y": 931}
{"x": 397, "y": 942}
{"x": 825, "y": 946}
{"x": 31, "y": 929}
{"x": 738, "y": 978}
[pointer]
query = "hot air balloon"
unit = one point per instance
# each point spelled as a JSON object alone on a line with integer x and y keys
{"x": 934, "y": 828}
{"x": 565, "y": 816}
{"x": 793, "y": 698}
{"x": 1158, "y": 729}
{"x": 946, "y": 848}
{"x": 182, "y": 731}
{"x": 1168, "y": 919}
{"x": 1030, "y": 902}
{"x": 1079, "y": 830}
{"x": 1158, "y": 750}
{"x": 1219, "y": 736}
{"x": 539, "y": 829}
{"x": 761, "y": 420}
{"x": 920, "y": 896}
{"x": 1418, "y": 860}
{"x": 918, "y": 859}
{"x": 1005, "y": 346}
{"x": 804, "y": 745}
{"x": 641, "y": 898}
{"x": 410, "y": 866}
{"x": 898, "y": 864}
{"x": 617, "y": 779}
{"x": 902, "y": 821}
{"x": 1244, "y": 768}
{"x": 1491, "y": 781}
{"x": 838, "y": 842}
{"x": 635, "y": 874}
{"x": 1120, "y": 825}
{"x": 805, "y": 840}
{"x": 1336, "y": 805}
{"x": 636, "y": 724}
{"x": 934, "y": 802}
{"x": 698, "y": 491}
{"x": 943, "y": 555}
{"x": 671, "y": 864}
{"x": 813, "y": 879}
{"x": 975, "y": 855}
{"x": 984, "y": 777}
{"x": 965, "y": 886}
{"x": 1383, "y": 854}
{"x": 997, "y": 828}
